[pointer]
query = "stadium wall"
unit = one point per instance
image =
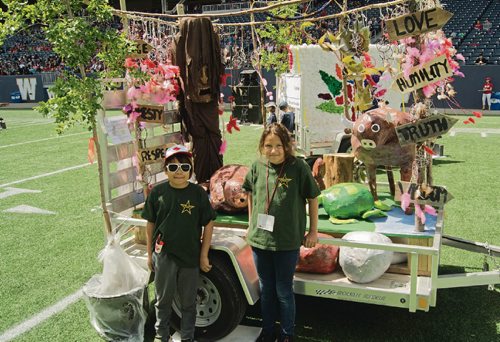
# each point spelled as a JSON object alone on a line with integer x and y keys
{"x": 32, "y": 90}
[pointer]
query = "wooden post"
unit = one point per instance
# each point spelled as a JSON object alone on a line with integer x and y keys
{"x": 338, "y": 168}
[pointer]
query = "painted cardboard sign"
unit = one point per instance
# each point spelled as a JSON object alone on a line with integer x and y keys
{"x": 420, "y": 76}
{"x": 424, "y": 129}
{"x": 417, "y": 23}
{"x": 142, "y": 50}
{"x": 152, "y": 155}
{"x": 434, "y": 195}
{"x": 151, "y": 113}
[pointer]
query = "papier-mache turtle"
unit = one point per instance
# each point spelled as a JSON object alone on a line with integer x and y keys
{"x": 346, "y": 202}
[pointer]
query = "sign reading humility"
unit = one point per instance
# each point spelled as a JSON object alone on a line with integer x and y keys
{"x": 420, "y": 76}
{"x": 423, "y": 129}
{"x": 416, "y": 23}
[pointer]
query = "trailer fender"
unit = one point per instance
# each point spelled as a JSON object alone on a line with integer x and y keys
{"x": 239, "y": 253}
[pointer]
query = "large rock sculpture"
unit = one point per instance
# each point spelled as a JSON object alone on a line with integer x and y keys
{"x": 362, "y": 265}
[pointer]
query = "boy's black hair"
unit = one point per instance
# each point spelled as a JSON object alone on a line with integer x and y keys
{"x": 182, "y": 158}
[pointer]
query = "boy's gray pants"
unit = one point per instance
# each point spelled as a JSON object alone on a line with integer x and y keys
{"x": 169, "y": 279}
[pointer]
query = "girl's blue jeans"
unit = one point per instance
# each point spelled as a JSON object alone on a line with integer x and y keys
{"x": 276, "y": 269}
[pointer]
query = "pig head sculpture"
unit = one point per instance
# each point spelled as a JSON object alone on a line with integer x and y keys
{"x": 375, "y": 142}
{"x": 226, "y": 193}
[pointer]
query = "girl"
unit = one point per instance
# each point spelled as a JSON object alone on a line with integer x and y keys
{"x": 278, "y": 187}
{"x": 176, "y": 211}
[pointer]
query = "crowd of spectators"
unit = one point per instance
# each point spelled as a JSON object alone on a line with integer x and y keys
{"x": 28, "y": 52}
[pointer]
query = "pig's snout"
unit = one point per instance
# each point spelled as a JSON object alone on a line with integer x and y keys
{"x": 368, "y": 144}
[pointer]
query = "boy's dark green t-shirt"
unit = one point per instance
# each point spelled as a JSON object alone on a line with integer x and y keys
{"x": 295, "y": 185}
{"x": 179, "y": 215}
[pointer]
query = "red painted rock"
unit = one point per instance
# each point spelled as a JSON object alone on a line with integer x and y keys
{"x": 226, "y": 193}
{"x": 321, "y": 258}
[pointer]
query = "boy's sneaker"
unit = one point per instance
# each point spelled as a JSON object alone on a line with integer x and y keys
{"x": 159, "y": 339}
{"x": 263, "y": 337}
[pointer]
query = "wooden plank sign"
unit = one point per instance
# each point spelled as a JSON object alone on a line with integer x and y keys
{"x": 434, "y": 195}
{"x": 151, "y": 113}
{"x": 420, "y": 76}
{"x": 142, "y": 49}
{"x": 417, "y": 23}
{"x": 152, "y": 155}
{"x": 424, "y": 129}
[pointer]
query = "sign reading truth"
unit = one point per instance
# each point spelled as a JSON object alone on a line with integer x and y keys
{"x": 420, "y": 76}
{"x": 150, "y": 113}
{"x": 424, "y": 129}
{"x": 433, "y": 195}
{"x": 152, "y": 154}
{"x": 416, "y": 23}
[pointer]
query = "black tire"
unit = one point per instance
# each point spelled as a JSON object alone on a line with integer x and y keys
{"x": 220, "y": 304}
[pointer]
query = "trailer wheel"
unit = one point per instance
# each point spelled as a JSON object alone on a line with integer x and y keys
{"x": 220, "y": 303}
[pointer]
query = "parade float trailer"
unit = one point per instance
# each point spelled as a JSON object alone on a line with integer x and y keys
{"x": 232, "y": 284}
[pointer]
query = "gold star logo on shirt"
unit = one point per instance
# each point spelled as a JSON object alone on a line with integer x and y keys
{"x": 186, "y": 207}
{"x": 284, "y": 180}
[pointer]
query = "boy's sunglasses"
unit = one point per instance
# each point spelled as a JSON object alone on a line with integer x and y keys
{"x": 173, "y": 167}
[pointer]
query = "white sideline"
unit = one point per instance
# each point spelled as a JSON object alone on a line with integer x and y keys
{"x": 30, "y": 124}
{"x": 32, "y": 322}
{"x": 45, "y": 139}
{"x": 45, "y": 175}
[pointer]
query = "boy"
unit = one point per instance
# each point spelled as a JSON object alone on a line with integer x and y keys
{"x": 271, "y": 112}
{"x": 288, "y": 117}
{"x": 176, "y": 211}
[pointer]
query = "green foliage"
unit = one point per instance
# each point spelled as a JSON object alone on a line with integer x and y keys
{"x": 334, "y": 85}
{"x": 282, "y": 35}
{"x": 78, "y": 30}
{"x": 330, "y": 107}
{"x": 75, "y": 100}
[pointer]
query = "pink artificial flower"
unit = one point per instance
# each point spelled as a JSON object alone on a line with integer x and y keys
{"x": 149, "y": 63}
{"x": 429, "y": 89}
{"x": 405, "y": 201}
{"x": 430, "y": 210}
{"x": 223, "y": 147}
{"x": 133, "y": 117}
{"x": 133, "y": 93}
{"x": 130, "y": 63}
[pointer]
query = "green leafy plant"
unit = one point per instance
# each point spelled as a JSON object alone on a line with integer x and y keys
{"x": 282, "y": 35}
{"x": 78, "y": 31}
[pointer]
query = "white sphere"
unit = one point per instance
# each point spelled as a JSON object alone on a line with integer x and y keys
{"x": 362, "y": 265}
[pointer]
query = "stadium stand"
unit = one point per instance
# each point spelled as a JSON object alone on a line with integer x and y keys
{"x": 28, "y": 52}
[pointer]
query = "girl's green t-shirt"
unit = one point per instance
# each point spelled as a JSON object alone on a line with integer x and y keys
{"x": 294, "y": 185}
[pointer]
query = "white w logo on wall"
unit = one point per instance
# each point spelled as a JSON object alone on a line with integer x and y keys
{"x": 27, "y": 88}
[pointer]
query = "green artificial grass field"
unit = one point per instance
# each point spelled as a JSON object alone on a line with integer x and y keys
{"x": 45, "y": 258}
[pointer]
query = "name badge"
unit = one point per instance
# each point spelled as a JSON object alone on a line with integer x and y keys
{"x": 265, "y": 222}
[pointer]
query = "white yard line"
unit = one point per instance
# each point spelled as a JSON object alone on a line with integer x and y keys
{"x": 45, "y": 175}
{"x": 29, "y": 125}
{"x": 45, "y": 139}
{"x": 32, "y": 322}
